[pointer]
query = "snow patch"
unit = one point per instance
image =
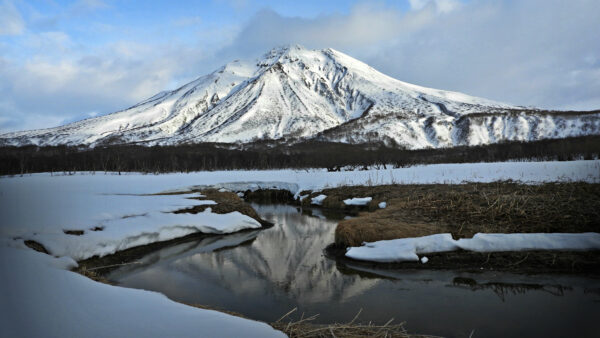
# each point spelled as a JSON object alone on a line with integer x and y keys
{"x": 358, "y": 201}
{"x": 407, "y": 249}
{"x": 538, "y": 241}
{"x": 318, "y": 200}
{"x": 404, "y": 249}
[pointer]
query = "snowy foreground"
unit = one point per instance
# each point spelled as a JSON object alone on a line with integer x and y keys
{"x": 40, "y": 297}
{"x": 408, "y": 249}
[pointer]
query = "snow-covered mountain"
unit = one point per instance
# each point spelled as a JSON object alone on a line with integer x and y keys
{"x": 292, "y": 93}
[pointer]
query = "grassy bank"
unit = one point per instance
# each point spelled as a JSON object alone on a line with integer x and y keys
{"x": 466, "y": 209}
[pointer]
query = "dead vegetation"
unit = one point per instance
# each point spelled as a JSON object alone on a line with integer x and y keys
{"x": 74, "y": 232}
{"x": 226, "y": 202}
{"x": 269, "y": 196}
{"x": 304, "y": 328}
{"x": 463, "y": 210}
{"x": 36, "y": 246}
{"x": 92, "y": 274}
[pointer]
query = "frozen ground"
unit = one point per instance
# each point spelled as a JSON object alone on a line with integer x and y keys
{"x": 41, "y": 298}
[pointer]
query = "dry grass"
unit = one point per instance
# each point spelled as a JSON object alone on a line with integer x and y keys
{"x": 303, "y": 328}
{"x": 92, "y": 274}
{"x": 383, "y": 226}
{"x": 463, "y": 210}
{"x": 74, "y": 232}
{"x": 226, "y": 202}
{"x": 36, "y": 246}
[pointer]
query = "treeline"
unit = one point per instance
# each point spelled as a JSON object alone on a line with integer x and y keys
{"x": 265, "y": 155}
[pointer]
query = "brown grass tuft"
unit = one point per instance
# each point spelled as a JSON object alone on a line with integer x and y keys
{"x": 226, "y": 202}
{"x": 36, "y": 246}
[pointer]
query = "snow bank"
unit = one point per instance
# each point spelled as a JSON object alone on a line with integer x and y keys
{"x": 39, "y": 299}
{"x": 253, "y": 186}
{"x": 123, "y": 233}
{"x": 358, "y": 201}
{"x": 318, "y": 200}
{"x": 41, "y": 207}
{"x": 408, "y": 249}
{"x": 404, "y": 249}
{"x": 521, "y": 242}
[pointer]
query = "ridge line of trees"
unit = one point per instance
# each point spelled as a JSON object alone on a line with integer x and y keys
{"x": 264, "y": 155}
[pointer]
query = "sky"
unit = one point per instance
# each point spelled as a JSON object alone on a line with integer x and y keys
{"x": 62, "y": 61}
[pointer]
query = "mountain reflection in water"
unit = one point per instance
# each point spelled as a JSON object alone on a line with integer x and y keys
{"x": 264, "y": 274}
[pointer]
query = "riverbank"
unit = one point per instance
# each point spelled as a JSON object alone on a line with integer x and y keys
{"x": 420, "y": 210}
{"x": 465, "y": 210}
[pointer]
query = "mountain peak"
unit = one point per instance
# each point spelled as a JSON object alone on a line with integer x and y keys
{"x": 296, "y": 93}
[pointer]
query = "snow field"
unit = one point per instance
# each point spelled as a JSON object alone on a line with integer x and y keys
{"x": 40, "y": 298}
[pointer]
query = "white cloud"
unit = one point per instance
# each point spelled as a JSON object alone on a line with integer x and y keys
{"x": 11, "y": 21}
{"x": 63, "y": 86}
{"x": 527, "y": 52}
{"x": 442, "y": 6}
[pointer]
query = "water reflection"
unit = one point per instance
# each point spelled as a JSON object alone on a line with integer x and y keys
{"x": 502, "y": 290}
{"x": 264, "y": 274}
{"x": 281, "y": 269}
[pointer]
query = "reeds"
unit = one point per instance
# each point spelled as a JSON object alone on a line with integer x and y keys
{"x": 304, "y": 328}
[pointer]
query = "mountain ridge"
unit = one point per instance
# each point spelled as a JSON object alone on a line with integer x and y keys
{"x": 293, "y": 93}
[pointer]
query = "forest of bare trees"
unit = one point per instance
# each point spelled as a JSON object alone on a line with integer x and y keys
{"x": 269, "y": 155}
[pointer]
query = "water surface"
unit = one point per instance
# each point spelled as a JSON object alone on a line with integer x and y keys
{"x": 264, "y": 274}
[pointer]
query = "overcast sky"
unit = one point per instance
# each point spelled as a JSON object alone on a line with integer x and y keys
{"x": 61, "y": 61}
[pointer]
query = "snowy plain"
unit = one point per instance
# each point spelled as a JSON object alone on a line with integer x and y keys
{"x": 42, "y": 206}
